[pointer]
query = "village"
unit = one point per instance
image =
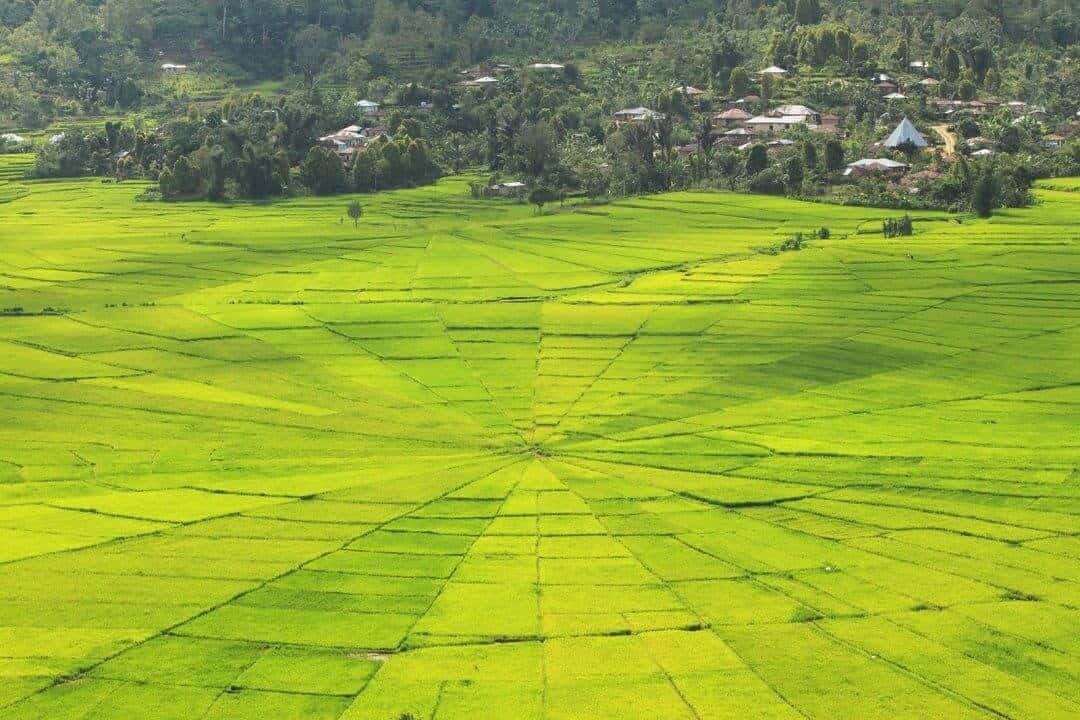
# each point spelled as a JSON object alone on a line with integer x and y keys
{"x": 918, "y": 132}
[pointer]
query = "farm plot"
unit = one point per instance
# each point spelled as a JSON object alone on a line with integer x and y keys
{"x": 467, "y": 461}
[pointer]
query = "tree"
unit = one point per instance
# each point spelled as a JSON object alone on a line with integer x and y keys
{"x": 739, "y": 81}
{"x": 834, "y": 155}
{"x": 355, "y": 211}
{"x": 807, "y": 12}
{"x": 540, "y": 195}
{"x": 321, "y": 171}
{"x": 794, "y": 170}
{"x": 757, "y": 159}
{"x": 984, "y": 194}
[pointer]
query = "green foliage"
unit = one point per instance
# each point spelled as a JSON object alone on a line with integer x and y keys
{"x": 322, "y": 172}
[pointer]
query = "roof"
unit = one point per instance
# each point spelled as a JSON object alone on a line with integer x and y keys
{"x": 173, "y": 66}
{"x": 366, "y": 104}
{"x": 904, "y": 133}
{"x": 874, "y": 165}
{"x": 547, "y": 66}
{"x": 486, "y": 80}
{"x": 641, "y": 113}
{"x": 929, "y": 81}
{"x": 795, "y": 110}
{"x": 983, "y": 153}
{"x": 733, "y": 114}
{"x": 774, "y": 70}
{"x": 785, "y": 120}
{"x": 690, "y": 90}
{"x": 896, "y": 96}
{"x": 737, "y": 132}
{"x": 922, "y": 64}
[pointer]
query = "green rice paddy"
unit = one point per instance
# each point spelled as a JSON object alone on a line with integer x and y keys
{"x": 464, "y": 461}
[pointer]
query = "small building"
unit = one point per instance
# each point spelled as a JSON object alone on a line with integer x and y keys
{"x": 983, "y": 152}
{"x": 928, "y": 82}
{"x": 886, "y": 87}
{"x": 14, "y": 139}
{"x": 895, "y": 96}
{"x": 366, "y": 107}
{"x": 919, "y": 65}
{"x": 874, "y": 166}
{"x": 831, "y": 120}
{"x": 690, "y": 91}
{"x": 173, "y": 67}
{"x": 347, "y": 140}
{"x": 553, "y": 67}
{"x": 774, "y": 71}
{"x": 905, "y": 134}
{"x": 736, "y": 137}
{"x": 514, "y": 188}
{"x": 809, "y": 115}
{"x": 733, "y": 117}
{"x": 764, "y": 124}
{"x": 637, "y": 115}
{"x": 484, "y": 81}
{"x": 1053, "y": 141}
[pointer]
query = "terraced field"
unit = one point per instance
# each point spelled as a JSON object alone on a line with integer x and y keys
{"x": 463, "y": 461}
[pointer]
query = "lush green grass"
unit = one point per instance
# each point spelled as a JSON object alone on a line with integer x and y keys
{"x": 465, "y": 461}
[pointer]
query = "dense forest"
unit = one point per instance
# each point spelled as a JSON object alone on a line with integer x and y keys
{"x": 248, "y": 92}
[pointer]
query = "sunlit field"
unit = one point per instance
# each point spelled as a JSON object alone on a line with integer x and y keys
{"x": 465, "y": 461}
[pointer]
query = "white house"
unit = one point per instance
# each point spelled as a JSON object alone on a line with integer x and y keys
{"x": 547, "y": 66}
{"x": 895, "y": 96}
{"x": 809, "y": 115}
{"x": 485, "y": 81}
{"x": 366, "y": 106}
{"x": 774, "y": 70}
{"x": 637, "y": 114}
{"x": 767, "y": 124}
{"x": 173, "y": 67}
{"x": 874, "y": 166}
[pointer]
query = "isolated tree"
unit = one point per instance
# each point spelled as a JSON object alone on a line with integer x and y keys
{"x": 541, "y": 195}
{"x": 355, "y": 211}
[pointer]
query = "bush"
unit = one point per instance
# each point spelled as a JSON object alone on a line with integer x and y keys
{"x": 769, "y": 181}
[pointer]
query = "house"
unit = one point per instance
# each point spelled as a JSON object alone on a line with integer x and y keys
{"x": 347, "y": 140}
{"x": 809, "y": 115}
{"x": 484, "y": 81}
{"x": 513, "y": 188}
{"x": 831, "y": 120}
{"x": 736, "y": 137}
{"x": 882, "y": 78}
{"x": 13, "y": 139}
{"x": 637, "y": 115}
{"x": 886, "y": 86}
{"x": 982, "y": 152}
{"x": 690, "y": 91}
{"x": 366, "y": 107}
{"x": 928, "y": 82}
{"x": 173, "y": 67}
{"x": 894, "y": 96}
{"x": 1053, "y": 141}
{"x": 920, "y": 65}
{"x": 764, "y": 124}
{"x": 774, "y": 71}
{"x": 874, "y": 166}
{"x": 547, "y": 66}
{"x": 735, "y": 117}
{"x": 905, "y": 134}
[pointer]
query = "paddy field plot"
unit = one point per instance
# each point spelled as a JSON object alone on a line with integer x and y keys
{"x": 464, "y": 461}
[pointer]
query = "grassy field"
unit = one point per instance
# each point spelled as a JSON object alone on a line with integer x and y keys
{"x": 463, "y": 461}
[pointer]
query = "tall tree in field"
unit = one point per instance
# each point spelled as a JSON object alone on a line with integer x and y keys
{"x": 355, "y": 211}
